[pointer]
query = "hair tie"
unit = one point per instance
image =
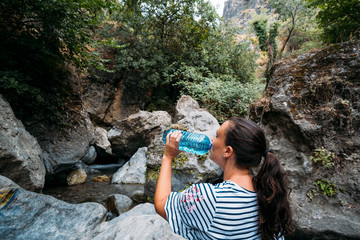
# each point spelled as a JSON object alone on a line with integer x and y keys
{"x": 265, "y": 153}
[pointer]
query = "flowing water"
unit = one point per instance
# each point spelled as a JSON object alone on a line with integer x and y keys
{"x": 92, "y": 191}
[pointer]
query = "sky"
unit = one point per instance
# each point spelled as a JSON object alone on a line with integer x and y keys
{"x": 219, "y": 5}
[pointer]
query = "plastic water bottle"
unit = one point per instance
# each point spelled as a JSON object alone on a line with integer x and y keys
{"x": 191, "y": 142}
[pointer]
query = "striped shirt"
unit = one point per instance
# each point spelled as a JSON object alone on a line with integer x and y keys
{"x": 221, "y": 211}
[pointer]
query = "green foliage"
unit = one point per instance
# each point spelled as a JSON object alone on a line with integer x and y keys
{"x": 223, "y": 96}
{"x": 167, "y": 40}
{"x": 312, "y": 193}
{"x": 180, "y": 160}
{"x": 296, "y": 20}
{"x": 325, "y": 157}
{"x": 267, "y": 41}
{"x": 38, "y": 39}
{"x": 35, "y": 103}
{"x": 160, "y": 35}
{"x": 159, "y": 39}
{"x": 202, "y": 158}
{"x": 304, "y": 39}
{"x": 152, "y": 174}
{"x": 340, "y": 20}
{"x": 260, "y": 28}
{"x": 223, "y": 54}
{"x": 273, "y": 32}
{"x": 326, "y": 187}
{"x": 287, "y": 9}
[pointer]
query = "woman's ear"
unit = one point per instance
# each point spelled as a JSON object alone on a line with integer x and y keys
{"x": 228, "y": 152}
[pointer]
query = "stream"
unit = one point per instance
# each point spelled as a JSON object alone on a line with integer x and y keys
{"x": 91, "y": 191}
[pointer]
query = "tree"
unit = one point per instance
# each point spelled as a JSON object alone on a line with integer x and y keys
{"x": 37, "y": 39}
{"x": 160, "y": 36}
{"x": 267, "y": 41}
{"x": 293, "y": 13}
{"x": 340, "y": 19}
{"x": 180, "y": 47}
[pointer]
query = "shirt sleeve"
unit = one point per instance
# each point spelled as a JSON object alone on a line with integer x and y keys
{"x": 191, "y": 210}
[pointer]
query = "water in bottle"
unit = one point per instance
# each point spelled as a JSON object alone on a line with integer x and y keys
{"x": 191, "y": 142}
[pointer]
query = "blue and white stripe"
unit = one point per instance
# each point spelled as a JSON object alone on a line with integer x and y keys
{"x": 206, "y": 211}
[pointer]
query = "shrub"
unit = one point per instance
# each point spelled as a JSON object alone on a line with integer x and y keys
{"x": 340, "y": 20}
{"x": 223, "y": 96}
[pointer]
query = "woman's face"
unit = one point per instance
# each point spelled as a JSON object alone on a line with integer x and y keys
{"x": 219, "y": 147}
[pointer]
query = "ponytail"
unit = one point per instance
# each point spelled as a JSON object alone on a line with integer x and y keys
{"x": 272, "y": 190}
{"x": 249, "y": 144}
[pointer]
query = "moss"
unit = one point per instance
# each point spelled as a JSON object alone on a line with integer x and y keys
{"x": 202, "y": 158}
{"x": 189, "y": 172}
{"x": 312, "y": 193}
{"x": 177, "y": 127}
{"x": 180, "y": 160}
{"x": 152, "y": 174}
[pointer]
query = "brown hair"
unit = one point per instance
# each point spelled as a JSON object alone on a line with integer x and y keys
{"x": 249, "y": 144}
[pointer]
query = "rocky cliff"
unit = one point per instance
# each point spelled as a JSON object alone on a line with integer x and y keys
{"x": 239, "y": 11}
{"x": 311, "y": 115}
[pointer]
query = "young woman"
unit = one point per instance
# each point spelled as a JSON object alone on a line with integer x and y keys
{"x": 241, "y": 207}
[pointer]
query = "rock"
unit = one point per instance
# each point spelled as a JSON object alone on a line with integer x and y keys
{"x": 136, "y": 131}
{"x": 118, "y": 203}
{"x": 106, "y": 167}
{"x": 101, "y": 141}
{"x": 312, "y": 102}
{"x": 195, "y": 119}
{"x": 134, "y": 170}
{"x": 139, "y": 196}
{"x": 102, "y": 178}
{"x": 90, "y": 156}
{"x": 240, "y": 12}
{"x": 105, "y": 99}
{"x": 64, "y": 144}
{"x": 141, "y": 222}
{"x": 76, "y": 177}
{"x": 187, "y": 167}
{"x": 97, "y": 97}
{"x": 122, "y": 105}
{"x": 110, "y": 216}
{"x": 20, "y": 154}
{"x": 63, "y": 147}
{"x": 29, "y": 215}
{"x": 88, "y": 170}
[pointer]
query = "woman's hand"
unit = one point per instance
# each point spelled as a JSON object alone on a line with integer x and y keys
{"x": 172, "y": 145}
{"x": 163, "y": 187}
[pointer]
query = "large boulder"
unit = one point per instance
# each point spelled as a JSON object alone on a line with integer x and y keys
{"x": 134, "y": 170}
{"x": 138, "y": 130}
{"x": 20, "y": 154}
{"x": 313, "y": 102}
{"x": 118, "y": 204}
{"x": 106, "y": 100}
{"x": 28, "y": 215}
{"x": 187, "y": 167}
{"x": 141, "y": 222}
{"x": 64, "y": 146}
{"x": 195, "y": 119}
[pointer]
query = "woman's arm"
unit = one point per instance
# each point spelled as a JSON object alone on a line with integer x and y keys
{"x": 163, "y": 187}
